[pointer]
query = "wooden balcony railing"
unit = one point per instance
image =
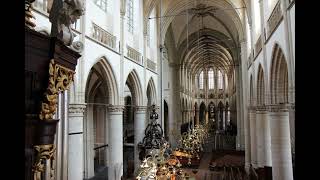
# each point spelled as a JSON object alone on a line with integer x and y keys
{"x": 103, "y": 36}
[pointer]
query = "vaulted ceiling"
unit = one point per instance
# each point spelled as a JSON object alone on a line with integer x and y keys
{"x": 203, "y": 33}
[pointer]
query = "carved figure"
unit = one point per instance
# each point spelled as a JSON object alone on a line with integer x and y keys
{"x": 62, "y": 14}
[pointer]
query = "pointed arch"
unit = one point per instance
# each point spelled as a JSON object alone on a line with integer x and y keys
{"x": 278, "y": 76}
{"x": 100, "y": 89}
{"x": 101, "y": 74}
{"x": 251, "y": 91}
{"x": 202, "y": 112}
{"x": 151, "y": 92}
{"x": 134, "y": 84}
{"x": 260, "y": 86}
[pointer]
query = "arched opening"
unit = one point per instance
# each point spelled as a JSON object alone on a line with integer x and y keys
{"x": 166, "y": 120}
{"x": 130, "y": 151}
{"x": 212, "y": 110}
{"x": 202, "y": 113}
{"x": 279, "y": 77}
{"x": 227, "y": 114}
{"x": 260, "y": 87}
{"x": 251, "y": 91}
{"x": 128, "y": 134}
{"x": 196, "y": 114}
{"x": 281, "y": 125}
{"x": 100, "y": 91}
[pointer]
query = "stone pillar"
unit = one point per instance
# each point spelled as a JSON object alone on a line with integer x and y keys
{"x": 260, "y": 137}
{"x": 139, "y": 128}
{"x": 280, "y": 143}
{"x": 121, "y": 50}
{"x": 264, "y": 115}
{"x": 206, "y": 116}
{"x": 248, "y": 142}
{"x": 62, "y": 137}
{"x": 253, "y": 140}
{"x": 115, "y": 170}
{"x": 224, "y": 118}
{"x": 88, "y": 143}
{"x": 75, "y": 154}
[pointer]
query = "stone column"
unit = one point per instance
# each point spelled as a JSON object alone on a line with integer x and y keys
{"x": 206, "y": 116}
{"x": 75, "y": 155}
{"x": 121, "y": 50}
{"x": 248, "y": 142}
{"x": 61, "y": 137}
{"x": 260, "y": 137}
{"x": 264, "y": 115}
{"x": 224, "y": 118}
{"x": 115, "y": 170}
{"x": 280, "y": 143}
{"x": 88, "y": 143}
{"x": 139, "y": 128}
{"x": 253, "y": 140}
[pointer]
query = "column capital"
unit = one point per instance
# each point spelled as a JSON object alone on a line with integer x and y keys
{"x": 115, "y": 108}
{"x": 262, "y": 108}
{"x": 123, "y": 4}
{"x": 278, "y": 107}
{"x": 77, "y": 108}
{"x": 140, "y": 108}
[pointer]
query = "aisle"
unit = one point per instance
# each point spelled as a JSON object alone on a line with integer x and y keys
{"x": 203, "y": 168}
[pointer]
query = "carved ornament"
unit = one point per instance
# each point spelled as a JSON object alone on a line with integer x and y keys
{"x": 278, "y": 108}
{"x": 77, "y": 108}
{"x": 141, "y": 108}
{"x": 115, "y": 108}
{"x": 60, "y": 79}
{"x": 44, "y": 152}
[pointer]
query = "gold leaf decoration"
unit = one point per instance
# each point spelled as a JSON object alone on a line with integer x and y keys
{"x": 44, "y": 152}
{"x": 60, "y": 79}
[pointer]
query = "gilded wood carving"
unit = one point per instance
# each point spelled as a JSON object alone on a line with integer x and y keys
{"x": 60, "y": 79}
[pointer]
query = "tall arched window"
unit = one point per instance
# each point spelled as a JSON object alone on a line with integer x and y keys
{"x": 220, "y": 85}
{"x": 257, "y": 20}
{"x": 201, "y": 80}
{"x": 130, "y": 15}
{"x": 211, "y": 80}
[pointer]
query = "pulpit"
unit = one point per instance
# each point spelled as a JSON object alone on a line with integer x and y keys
{"x": 49, "y": 70}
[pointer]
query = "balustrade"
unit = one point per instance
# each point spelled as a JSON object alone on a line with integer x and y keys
{"x": 103, "y": 36}
{"x": 133, "y": 54}
{"x": 151, "y": 65}
{"x": 258, "y": 45}
{"x": 274, "y": 18}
